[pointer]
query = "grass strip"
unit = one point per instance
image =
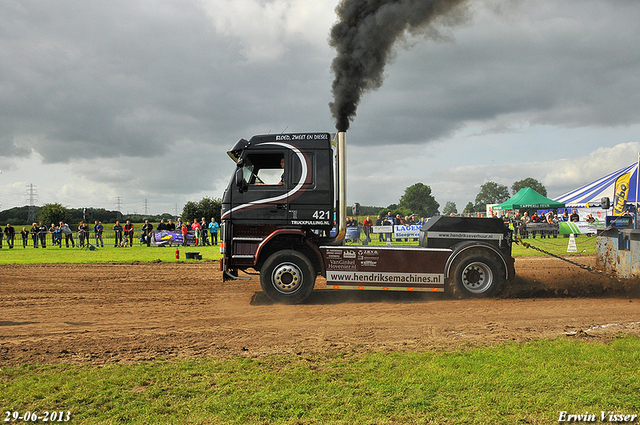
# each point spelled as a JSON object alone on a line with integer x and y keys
{"x": 110, "y": 254}
{"x": 501, "y": 384}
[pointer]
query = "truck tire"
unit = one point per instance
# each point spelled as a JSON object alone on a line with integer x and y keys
{"x": 475, "y": 274}
{"x": 287, "y": 277}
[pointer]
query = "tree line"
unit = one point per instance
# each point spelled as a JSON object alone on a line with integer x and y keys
{"x": 55, "y": 213}
{"x": 418, "y": 200}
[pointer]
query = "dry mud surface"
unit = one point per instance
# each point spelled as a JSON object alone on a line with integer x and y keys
{"x": 130, "y": 312}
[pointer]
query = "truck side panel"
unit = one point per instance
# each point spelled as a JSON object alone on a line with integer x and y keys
{"x": 387, "y": 268}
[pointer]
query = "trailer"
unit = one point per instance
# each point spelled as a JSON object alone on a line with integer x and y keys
{"x": 284, "y": 218}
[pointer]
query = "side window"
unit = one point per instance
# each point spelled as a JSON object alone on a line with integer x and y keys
{"x": 264, "y": 169}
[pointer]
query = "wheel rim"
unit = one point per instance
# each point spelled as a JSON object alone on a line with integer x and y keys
{"x": 477, "y": 277}
{"x": 286, "y": 278}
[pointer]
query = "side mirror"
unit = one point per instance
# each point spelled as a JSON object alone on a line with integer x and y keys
{"x": 240, "y": 181}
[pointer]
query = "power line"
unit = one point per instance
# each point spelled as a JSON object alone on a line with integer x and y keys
{"x": 31, "y": 198}
{"x": 119, "y": 204}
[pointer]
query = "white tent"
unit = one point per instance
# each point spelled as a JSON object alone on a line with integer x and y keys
{"x": 593, "y": 192}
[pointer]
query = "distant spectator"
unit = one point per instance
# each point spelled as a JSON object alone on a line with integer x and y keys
{"x": 34, "y": 234}
{"x": 162, "y": 225}
{"x": 57, "y": 234}
{"x": 213, "y": 230}
{"x": 574, "y": 217}
{"x": 147, "y": 230}
{"x": 195, "y": 227}
{"x": 98, "y": 229}
{"x": 68, "y": 235}
{"x": 52, "y": 230}
{"x": 204, "y": 232}
{"x": 25, "y": 237}
{"x": 10, "y": 234}
{"x": 171, "y": 226}
{"x": 42, "y": 234}
{"x": 184, "y": 230}
{"x": 83, "y": 233}
{"x": 128, "y": 232}
{"x": 367, "y": 225}
{"x": 117, "y": 231}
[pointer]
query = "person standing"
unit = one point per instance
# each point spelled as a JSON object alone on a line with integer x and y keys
{"x": 42, "y": 234}
{"x": 171, "y": 226}
{"x": 68, "y": 234}
{"x": 83, "y": 233}
{"x": 204, "y": 233}
{"x": 10, "y": 234}
{"x": 25, "y": 237}
{"x": 98, "y": 229}
{"x": 196, "y": 231}
{"x": 128, "y": 232}
{"x": 34, "y": 234}
{"x": 574, "y": 217}
{"x": 213, "y": 230}
{"x": 117, "y": 231}
{"x": 52, "y": 230}
{"x": 162, "y": 225}
{"x": 184, "y": 230}
{"x": 367, "y": 225}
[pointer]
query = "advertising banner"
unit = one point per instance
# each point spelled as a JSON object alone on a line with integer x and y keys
{"x": 577, "y": 228}
{"x": 402, "y": 231}
{"x": 621, "y": 193}
{"x": 163, "y": 237}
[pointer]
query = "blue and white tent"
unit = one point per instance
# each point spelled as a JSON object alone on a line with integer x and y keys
{"x": 593, "y": 192}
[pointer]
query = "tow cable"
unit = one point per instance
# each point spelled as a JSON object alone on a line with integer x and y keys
{"x": 582, "y": 266}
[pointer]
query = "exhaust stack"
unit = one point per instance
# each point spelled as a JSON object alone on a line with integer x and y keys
{"x": 342, "y": 186}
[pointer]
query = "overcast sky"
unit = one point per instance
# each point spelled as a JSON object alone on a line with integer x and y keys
{"x": 140, "y": 100}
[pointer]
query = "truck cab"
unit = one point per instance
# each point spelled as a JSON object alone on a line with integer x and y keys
{"x": 280, "y": 196}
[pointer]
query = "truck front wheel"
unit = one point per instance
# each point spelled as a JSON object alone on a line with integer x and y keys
{"x": 287, "y": 277}
{"x": 475, "y": 275}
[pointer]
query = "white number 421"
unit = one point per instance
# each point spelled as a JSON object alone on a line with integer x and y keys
{"x": 321, "y": 215}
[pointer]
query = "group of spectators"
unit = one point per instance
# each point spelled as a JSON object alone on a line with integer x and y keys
{"x": 388, "y": 220}
{"x": 206, "y": 233}
{"x": 38, "y": 235}
{"x": 521, "y": 224}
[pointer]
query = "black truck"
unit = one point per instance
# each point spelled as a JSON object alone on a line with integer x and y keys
{"x": 284, "y": 217}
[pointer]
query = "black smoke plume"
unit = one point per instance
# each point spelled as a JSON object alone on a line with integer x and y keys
{"x": 363, "y": 38}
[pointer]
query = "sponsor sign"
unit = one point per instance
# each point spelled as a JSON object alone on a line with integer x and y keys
{"x": 465, "y": 235}
{"x": 402, "y": 231}
{"x": 383, "y": 278}
{"x": 163, "y": 237}
{"x": 383, "y": 229}
{"x": 621, "y": 193}
{"x": 578, "y": 228}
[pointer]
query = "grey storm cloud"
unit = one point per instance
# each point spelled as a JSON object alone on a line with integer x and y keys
{"x": 116, "y": 88}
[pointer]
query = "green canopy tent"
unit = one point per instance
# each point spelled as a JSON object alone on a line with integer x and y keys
{"x": 528, "y": 198}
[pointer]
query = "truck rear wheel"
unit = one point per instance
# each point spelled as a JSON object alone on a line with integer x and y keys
{"x": 475, "y": 274}
{"x": 287, "y": 277}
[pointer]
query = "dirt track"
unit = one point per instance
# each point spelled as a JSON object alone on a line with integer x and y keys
{"x": 125, "y": 313}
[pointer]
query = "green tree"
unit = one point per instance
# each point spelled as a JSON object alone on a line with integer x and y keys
{"x": 529, "y": 182}
{"x": 207, "y": 208}
{"x": 450, "y": 207}
{"x": 53, "y": 213}
{"x": 418, "y": 200}
{"x": 469, "y": 208}
{"x": 491, "y": 193}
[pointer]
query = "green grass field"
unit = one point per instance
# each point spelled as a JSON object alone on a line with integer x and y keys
{"x": 503, "y": 384}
